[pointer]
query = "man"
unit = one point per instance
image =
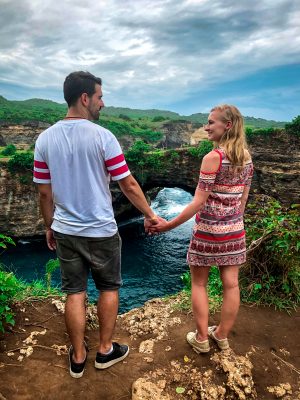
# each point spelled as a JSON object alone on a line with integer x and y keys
{"x": 73, "y": 162}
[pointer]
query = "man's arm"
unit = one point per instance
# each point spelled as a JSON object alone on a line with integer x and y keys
{"x": 133, "y": 192}
{"x": 47, "y": 209}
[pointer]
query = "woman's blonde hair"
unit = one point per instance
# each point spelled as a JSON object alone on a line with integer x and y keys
{"x": 234, "y": 139}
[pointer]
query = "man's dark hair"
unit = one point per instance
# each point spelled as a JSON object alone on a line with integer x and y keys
{"x": 77, "y": 83}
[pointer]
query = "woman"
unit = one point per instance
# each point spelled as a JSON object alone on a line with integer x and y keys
{"x": 218, "y": 235}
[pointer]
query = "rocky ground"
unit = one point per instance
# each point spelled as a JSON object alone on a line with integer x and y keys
{"x": 263, "y": 362}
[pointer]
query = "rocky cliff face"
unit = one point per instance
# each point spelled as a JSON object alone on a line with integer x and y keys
{"x": 19, "y": 215}
{"x": 177, "y": 133}
{"x": 21, "y": 135}
{"x": 276, "y": 159}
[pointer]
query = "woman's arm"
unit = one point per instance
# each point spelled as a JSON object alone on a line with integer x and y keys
{"x": 190, "y": 210}
{"x": 210, "y": 165}
{"x": 244, "y": 198}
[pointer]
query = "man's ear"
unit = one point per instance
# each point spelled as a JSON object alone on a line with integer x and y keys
{"x": 84, "y": 98}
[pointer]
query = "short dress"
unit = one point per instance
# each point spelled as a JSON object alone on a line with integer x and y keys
{"x": 218, "y": 236}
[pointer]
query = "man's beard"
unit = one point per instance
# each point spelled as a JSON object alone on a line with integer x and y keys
{"x": 94, "y": 114}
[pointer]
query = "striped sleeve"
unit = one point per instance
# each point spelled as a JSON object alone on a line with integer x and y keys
{"x": 41, "y": 173}
{"x": 115, "y": 161}
{"x": 206, "y": 181}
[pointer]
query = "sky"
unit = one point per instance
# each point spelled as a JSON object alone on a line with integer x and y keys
{"x": 184, "y": 56}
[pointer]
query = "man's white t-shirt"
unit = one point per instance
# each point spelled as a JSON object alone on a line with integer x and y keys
{"x": 78, "y": 158}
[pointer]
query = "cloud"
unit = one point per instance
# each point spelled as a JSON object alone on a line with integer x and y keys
{"x": 148, "y": 52}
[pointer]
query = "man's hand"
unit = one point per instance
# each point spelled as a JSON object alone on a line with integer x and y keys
{"x": 155, "y": 225}
{"x": 50, "y": 239}
{"x": 150, "y": 222}
{"x": 161, "y": 226}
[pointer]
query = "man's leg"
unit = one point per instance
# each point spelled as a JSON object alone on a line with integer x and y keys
{"x": 75, "y": 323}
{"x": 107, "y": 308}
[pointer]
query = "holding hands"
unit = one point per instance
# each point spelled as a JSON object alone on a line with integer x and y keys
{"x": 156, "y": 225}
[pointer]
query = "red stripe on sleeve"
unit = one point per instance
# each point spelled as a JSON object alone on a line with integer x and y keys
{"x": 119, "y": 171}
{"x": 40, "y": 164}
{"x": 41, "y": 175}
{"x": 115, "y": 160}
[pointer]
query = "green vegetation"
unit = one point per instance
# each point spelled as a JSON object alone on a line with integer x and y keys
{"x": 51, "y": 266}
{"x": 214, "y": 289}
{"x": 143, "y": 156}
{"x": 294, "y": 126}
{"x": 252, "y": 133}
{"x": 21, "y": 162}
{"x": 13, "y": 289}
{"x": 202, "y": 149}
{"x": 144, "y": 130}
{"x": 272, "y": 273}
{"x": 8, "y": 289}
{"x": 9, "y": 150}
{"x": 5, "y": 240}
{"x": 50, "y": 112}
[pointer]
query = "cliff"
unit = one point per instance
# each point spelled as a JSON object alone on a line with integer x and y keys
{"x": 277, "y": 164}
{"x": 21, "y": 135}
{"x": 175, "y": 134}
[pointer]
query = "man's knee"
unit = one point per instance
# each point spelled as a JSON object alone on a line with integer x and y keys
{"x": 78, "y": 297}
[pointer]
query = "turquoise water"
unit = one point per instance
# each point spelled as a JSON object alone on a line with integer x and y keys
{"x": 151, "y": 266}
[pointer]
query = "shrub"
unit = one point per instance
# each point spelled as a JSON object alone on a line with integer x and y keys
{"x": 272, "y": 273}
{"x": 21, "y": 162}
{"x": 9, "y": 286}
{"x": 158, "y": 118}
{"x": 204, "y": 147}
{"x": 136, "y": 152}
{"x": 125, "y": 117}
{"x": 9, "y": 150}
{"x": 4, "y": 240}
{"x": 294, "y": 126}
{"x": 151, "y": 136}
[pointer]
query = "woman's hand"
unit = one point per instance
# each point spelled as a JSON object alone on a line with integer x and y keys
{"x": 161, "y": 226}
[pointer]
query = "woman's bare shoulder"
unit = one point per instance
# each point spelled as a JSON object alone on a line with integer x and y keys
{"x": 210, "y": 162}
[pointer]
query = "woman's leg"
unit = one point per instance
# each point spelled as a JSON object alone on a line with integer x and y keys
{"x": 231, "y": 299}
{"x": 200, "y": 300}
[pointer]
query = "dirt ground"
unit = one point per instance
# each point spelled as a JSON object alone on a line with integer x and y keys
{"x": 265, "y": 353}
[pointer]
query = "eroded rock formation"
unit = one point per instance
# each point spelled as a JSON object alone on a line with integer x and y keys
{"x": 277, "y": 164}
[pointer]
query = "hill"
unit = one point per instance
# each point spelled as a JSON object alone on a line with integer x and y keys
{"x": 50, "y": 111}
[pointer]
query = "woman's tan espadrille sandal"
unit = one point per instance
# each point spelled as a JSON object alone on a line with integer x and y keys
{"x": 223, "y": 344}
{"x": 198, "y": 347}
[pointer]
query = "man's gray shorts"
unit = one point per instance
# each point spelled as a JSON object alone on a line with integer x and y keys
{"x": 78, "y": 255}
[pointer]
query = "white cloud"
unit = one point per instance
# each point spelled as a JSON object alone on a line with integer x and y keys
{"x": 148, "y": 52}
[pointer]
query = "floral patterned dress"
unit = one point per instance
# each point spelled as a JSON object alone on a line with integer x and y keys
{"x": 218, "y": 235}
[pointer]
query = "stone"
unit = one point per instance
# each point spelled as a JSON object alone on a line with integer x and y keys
{"x": 146, "y": 346}
{"x": 142, "y": 389}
